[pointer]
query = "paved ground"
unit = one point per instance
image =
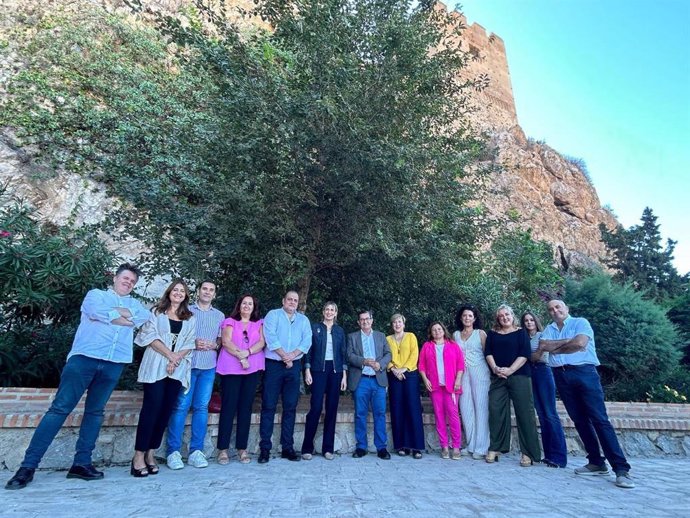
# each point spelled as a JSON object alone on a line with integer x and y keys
{"x": 401, "y": 487}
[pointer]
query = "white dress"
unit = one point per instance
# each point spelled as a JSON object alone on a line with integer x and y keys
{"x": 474, "y": 401}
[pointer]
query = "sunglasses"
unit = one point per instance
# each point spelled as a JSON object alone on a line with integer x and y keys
{"x": 246, "y": 336}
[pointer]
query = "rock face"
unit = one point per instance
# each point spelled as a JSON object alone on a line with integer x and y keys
{"x": 535, "y": 187}
{"x": 540, "y": 189}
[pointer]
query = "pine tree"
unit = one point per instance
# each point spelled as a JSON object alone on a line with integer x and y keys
{"x": 638, "y": 257}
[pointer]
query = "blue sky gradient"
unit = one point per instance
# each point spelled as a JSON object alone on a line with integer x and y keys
{"x": 607, "y": 81}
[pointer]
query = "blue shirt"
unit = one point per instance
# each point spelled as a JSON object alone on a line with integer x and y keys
{"x": 368, "y": 351}
{"x": 97, "y": 337}
{"x": 282, "y": 332}
{"x": 207, "y": 328}
{"x": 572, "y": 327}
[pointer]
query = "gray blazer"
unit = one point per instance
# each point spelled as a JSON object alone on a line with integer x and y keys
{"x": 355, "y": 358}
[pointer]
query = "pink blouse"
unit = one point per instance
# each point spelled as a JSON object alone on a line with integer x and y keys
{"x": 227, "y": 363}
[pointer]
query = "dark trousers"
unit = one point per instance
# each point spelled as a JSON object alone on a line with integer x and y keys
{"x": 406, "y": 412}
{"x": 552, "y": 436}
{"x": 279, "y": 381}
{"x": 159, "y": 401}
{"x": 580, "y": 390}
{"x": 326, "y": 383}
{"x": 237, "y": 396}
{"x": 518, "y": 389}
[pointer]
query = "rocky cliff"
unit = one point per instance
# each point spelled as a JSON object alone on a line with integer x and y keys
{"x": 535, "y": 188}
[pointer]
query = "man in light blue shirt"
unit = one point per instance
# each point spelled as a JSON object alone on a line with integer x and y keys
{"x": 101, "y": 348}
{"x": 573, "y": 360}
{"x": 288, "y": 339}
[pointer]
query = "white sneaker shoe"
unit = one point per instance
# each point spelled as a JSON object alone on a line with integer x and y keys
{"x": 197, "y": 459}
{"x": 174, "y": 460}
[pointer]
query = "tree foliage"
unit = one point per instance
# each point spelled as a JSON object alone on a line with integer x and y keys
{"x": 637, "y": 345}
{"x": 637, "y": 256}
{"x": 266, "y": 159}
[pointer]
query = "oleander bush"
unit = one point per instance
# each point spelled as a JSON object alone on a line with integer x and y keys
{"x": 45, "y": 271}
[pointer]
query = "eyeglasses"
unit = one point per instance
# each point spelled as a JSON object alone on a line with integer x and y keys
{"x": 365, "y": 319}
{"x": 246, "y": 336}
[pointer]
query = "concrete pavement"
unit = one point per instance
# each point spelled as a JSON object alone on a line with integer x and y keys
{"x": 347, "y": 487}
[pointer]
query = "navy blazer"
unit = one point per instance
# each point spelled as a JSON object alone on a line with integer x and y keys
{"x": 316, "y": 357}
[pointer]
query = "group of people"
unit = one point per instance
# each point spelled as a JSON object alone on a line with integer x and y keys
{"x": 471, "y": 377}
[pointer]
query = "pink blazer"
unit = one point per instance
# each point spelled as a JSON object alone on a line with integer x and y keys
{"x": 453, "y": 361}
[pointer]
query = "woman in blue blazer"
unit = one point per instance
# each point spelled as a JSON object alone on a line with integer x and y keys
{"x": 325, "y": 373}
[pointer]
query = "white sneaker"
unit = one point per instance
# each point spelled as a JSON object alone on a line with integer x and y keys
{"x": 197, "y": 459}
{"x": 174, "y": 460}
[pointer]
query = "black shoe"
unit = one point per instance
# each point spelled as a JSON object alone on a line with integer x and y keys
{"x": 289, "y": 455}
{"x": 138, "y": 473}
{"x": 264, "y": 456}
{"x": 87, "y": 472}
{"x": 383, "y": 454}
{"x": 359, "y": 453}
{"x": 20, "y": 479}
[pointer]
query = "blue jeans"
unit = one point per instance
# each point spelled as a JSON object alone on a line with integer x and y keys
{"x": 279, "y": 381}
{"x": 552, "y": 436}
{"x": 98, "y": 379}
{"x": 580, "y": 390}
{"x": 370, "y": 392}
{"x": 198, "y": 396}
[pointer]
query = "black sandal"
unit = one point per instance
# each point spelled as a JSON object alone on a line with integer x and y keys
{"x": 416, "y": 454}
{"x": 138, "y": 473}
{"x": 153, "y": 469}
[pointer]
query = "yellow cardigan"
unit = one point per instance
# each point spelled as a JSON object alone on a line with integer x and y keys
{"x": 405, "y": 355}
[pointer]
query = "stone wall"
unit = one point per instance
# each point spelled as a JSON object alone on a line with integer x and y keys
{"x": 645, "y": 429}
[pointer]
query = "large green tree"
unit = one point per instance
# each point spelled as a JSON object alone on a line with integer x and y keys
{"x": 638, "y": 257}
{"x": 268, "y": 159}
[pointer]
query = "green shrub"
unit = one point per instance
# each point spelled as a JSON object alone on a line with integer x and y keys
{"x": 45, "y": 271}
{"x": 637, "y": 345}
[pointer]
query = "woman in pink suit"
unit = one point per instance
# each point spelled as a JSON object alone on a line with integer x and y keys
{"x": 441, "y": 365}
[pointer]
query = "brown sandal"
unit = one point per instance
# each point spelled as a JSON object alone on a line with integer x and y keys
{"x": 244, "y": 457}
{"x": 223, "y": 458}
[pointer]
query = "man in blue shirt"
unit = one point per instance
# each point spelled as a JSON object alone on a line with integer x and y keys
{"x": 288, "y": 339}
{"x": 368, "y": 355}
{"x": 573, "y": 360}
{"x": 102, "y": 347}
{"x": 208, "y": 320}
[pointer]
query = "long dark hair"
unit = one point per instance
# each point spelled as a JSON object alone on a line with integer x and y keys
{"x": 164, "y": 303}
{"x": 236, "y": 314}
{"x": 477, "y": 317}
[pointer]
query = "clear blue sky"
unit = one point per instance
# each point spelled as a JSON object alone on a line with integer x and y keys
{"x": 607, "y": 81}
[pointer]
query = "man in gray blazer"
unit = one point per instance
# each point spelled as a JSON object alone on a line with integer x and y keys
{"x": 368, "y": 355}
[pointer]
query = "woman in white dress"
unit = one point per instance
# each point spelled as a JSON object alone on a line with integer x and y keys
{"x": 474, "y": 401}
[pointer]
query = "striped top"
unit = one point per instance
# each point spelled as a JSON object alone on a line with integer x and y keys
{"x": 207, "y": 328}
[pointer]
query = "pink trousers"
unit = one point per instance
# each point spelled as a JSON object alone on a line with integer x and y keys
{"x": 447, "y": 414}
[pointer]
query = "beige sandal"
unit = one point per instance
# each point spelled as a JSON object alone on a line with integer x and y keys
{"x": 525, "y": 461}
{"x": 223, "y": 458}
{"x": 244, "y": 457}
{"x": 491, "y": 457}
{"x": 445, "y": 454}
{"x": 456, "y": 454}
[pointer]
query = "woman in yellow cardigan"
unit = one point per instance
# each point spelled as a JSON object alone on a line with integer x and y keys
{"x": 403, "y": 391}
